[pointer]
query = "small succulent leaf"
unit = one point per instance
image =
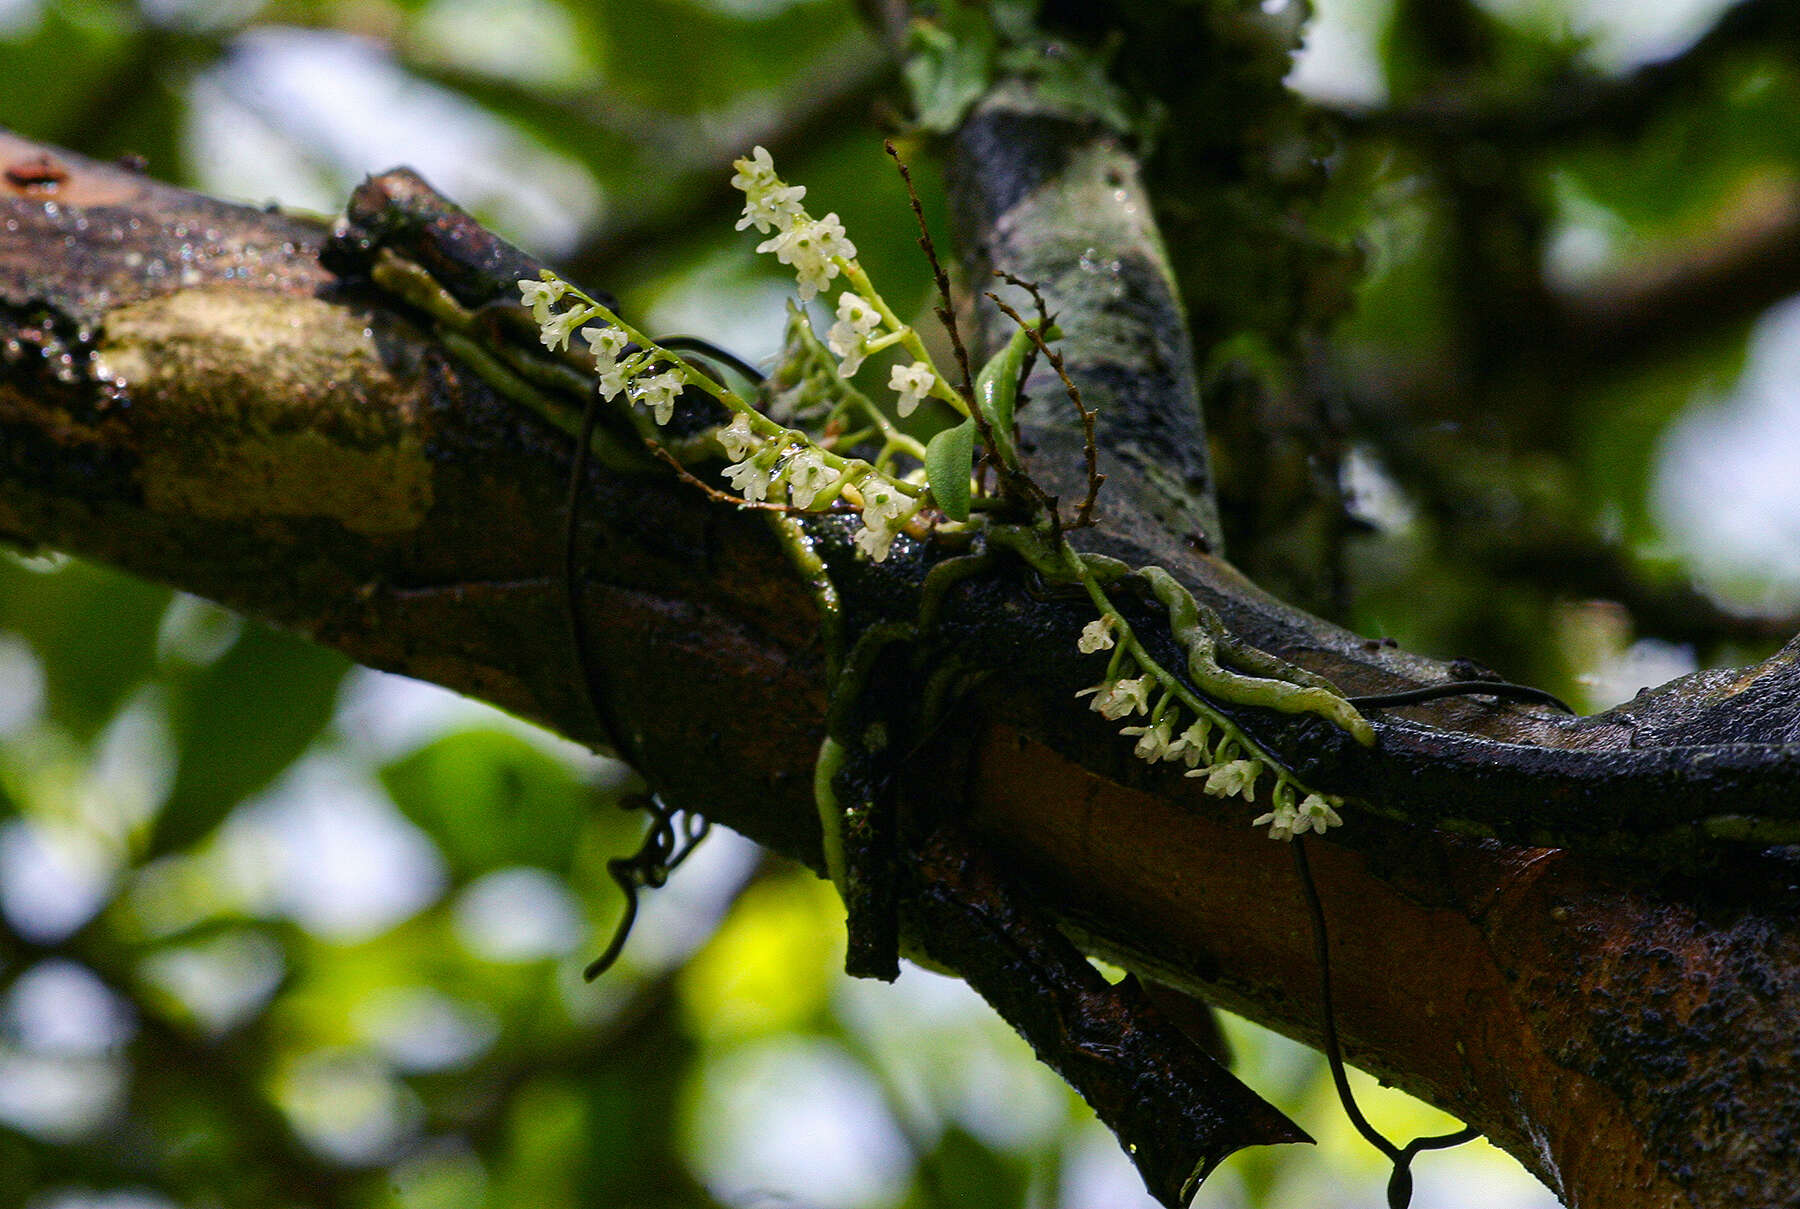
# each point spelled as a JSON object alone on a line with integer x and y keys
{"x": 949, "y": 459}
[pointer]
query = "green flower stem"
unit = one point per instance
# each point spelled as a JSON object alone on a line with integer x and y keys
{"x": 849, "y": 470}
{"x": 880, "y": 344}
{"x": 533, "y": 382}
{"x": 414, "y": 283}
{"x": 851, "y": 440}
{"x": 689, "y": 375}
{"x": 1115, "y": 664}
{"x": 1060, "y": 562}
{"x": 913, "y": 490}
{"x": 891, "y": 450}
{"x": 831, "y": 814}
{"x": 907, "y": 337}
{"x": 892, "y": 439}
{"x": 611, "y": 453}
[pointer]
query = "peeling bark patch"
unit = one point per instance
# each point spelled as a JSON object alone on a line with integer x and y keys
{"x": 38, "y": 173}
{"x": 253, "y": 405}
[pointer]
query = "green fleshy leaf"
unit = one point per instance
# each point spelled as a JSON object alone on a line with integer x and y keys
{"x": 997, "y": 390}
{"x": 949, "y": 458}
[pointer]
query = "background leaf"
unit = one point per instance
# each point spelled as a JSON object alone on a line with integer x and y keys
{"x": 491, "y": 799}
{"x": 238, "y": 723}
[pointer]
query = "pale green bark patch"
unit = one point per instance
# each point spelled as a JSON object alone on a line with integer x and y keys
{"x": 260, "y": 405}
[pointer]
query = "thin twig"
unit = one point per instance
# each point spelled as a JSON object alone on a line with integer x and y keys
{"x": 724, "y": 497}
{"x": 1043, "y": 324}
{"x": 1084, "y": 517}
{"x": 1030, "y": 362}
{"x": 1010, "y": 481}
{"x": 1037, "y": 296}
{"x": 945, "y": 310}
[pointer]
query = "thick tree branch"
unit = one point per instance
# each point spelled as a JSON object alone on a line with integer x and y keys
{"x": 1520, "y": 349}
{"x": 1695, "y": 293}
{"x": 187, "y": 394}
{"x": 1580, "y": 103}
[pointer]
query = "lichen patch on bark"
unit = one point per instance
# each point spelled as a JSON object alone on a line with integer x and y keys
{"x": 368, "y": 491}
{"x": 251, "y": 404}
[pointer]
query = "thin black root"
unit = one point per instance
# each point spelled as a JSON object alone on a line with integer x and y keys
{"x": 673, "y": 836}
{"x": 706, "y": 348}
{"x": 1499, "y": 689}
{"x": 1400, "y": 1184}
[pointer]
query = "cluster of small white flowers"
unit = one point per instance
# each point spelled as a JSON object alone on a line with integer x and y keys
{"x": 856, "y": 318}
{"x": 1227, "y": 769}
{"x": 785, "y": 466}
{"x": 556, "y": 330}
{"x": 770, "y": 203}
{"x": 812, "y": 246}
{"x": 885, "y": 509}
{"x": 607, "y": 343}
{"x": 1231, "y": 777}
{"x": 540, "y": 296}
{"x": 807, "y": 474}
{"x": 619, "y": 373}
{"x": 771, "y": 467}
{"x": 1115, "y": 699}
{"x": 1286, "y": 820}
{"x": 658, "y": 392}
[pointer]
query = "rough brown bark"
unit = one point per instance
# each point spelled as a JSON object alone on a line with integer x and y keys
{"x": 187, "y": 394}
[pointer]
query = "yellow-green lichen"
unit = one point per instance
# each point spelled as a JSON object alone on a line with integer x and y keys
{"x": 371, "y": 491}
{"x": 255, "y": 405}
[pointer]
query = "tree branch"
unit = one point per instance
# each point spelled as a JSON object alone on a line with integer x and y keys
{"x": 1578, "y": 105}
{"x": 187, "y": 394}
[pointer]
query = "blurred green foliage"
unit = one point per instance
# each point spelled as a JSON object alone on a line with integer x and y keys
{"x": 277, "y": 932}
